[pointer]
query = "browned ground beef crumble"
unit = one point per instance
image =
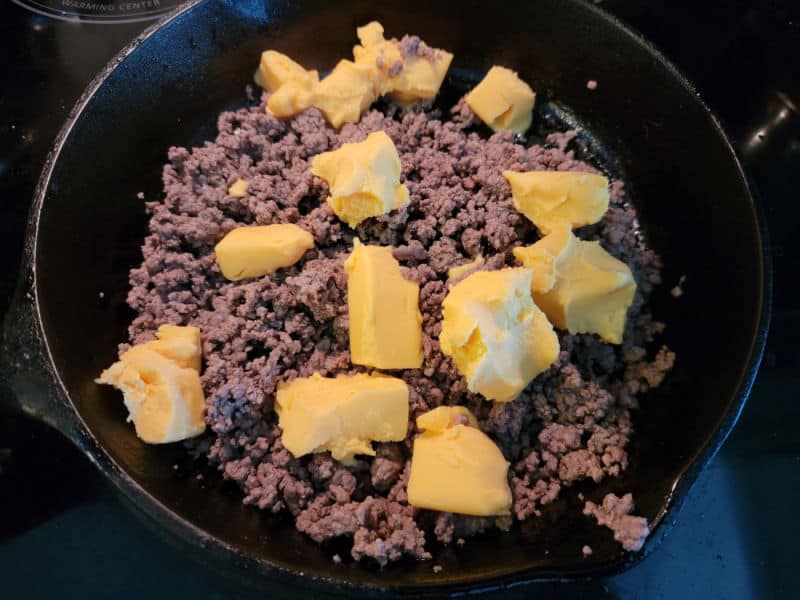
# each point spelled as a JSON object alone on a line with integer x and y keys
{"x": 615, "y": 513}
{"x": 573, "y": 422}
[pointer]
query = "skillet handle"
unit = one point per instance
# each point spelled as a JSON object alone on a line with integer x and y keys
{"x": 26, "y": 382}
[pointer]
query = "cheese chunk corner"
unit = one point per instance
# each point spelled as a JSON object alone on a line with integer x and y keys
{"x": 290, "y": 85}
{"x": 276, "y": 70}
{"x": 421, "y": 77}
{"x": 181, "y": 344}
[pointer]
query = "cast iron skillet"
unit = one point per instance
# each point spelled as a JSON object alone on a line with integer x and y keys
{"x": 167, "y": 88}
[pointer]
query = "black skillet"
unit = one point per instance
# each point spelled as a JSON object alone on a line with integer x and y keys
{"x": 644, "y": 121}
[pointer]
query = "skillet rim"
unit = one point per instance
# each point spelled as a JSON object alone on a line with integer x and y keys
{"x": 185, "y": 531}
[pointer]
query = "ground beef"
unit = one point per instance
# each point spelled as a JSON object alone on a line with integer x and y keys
{"x": 614, "y": 513}
{"x": 572, "y": 423}
{"x": 447, "y": 526}
{"x": 395, "y": 69}
{"x": 411, "y": 45}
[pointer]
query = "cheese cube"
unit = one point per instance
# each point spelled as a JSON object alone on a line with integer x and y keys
{"x": 457, "y": 468}
{"x": 160, "y": 382}
{"x": 503, "y": 101}
{"x": 259, "y": 250}
{"x": 342, "y": 414}
{"x": 497, "y": 336}
{"x": 363, "y": 177}
{"x": 551, "y": 197}
{"x": 238, "y": 189}
{"x": 385, "y": 321}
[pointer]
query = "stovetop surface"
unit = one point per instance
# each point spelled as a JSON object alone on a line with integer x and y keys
{"x": 64, "y": 533}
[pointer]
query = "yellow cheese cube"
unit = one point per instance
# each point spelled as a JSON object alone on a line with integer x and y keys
{"x": 238, "y": 188}
{"x": 346, "y": 92}
{"x": 277, "y": 69}
{"x": 457, "y": 468}
{"x": 420, "y": 76}
{"x": 342, "y": 414}
{"x": 160, "y": 382}
{"x": 503, "y": 101}
{"x": 584, "y": 289}
{"x": 259, "y": 250}
{"x": 385, "y": 321}
{"x": 179, "y": 344}
{"x": 551, "y": 197}
{"x": 364, "y": 178}
{"x": 495, "y": 333}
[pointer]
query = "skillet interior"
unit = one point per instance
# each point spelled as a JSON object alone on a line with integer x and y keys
{"x": 688, "y": 188}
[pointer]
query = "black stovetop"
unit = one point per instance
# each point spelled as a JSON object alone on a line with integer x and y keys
{"x": 63, "y": 532}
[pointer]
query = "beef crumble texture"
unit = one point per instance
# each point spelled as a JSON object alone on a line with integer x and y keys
{"x": 615, "y": 513}
{"x": 573, "y": 422}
